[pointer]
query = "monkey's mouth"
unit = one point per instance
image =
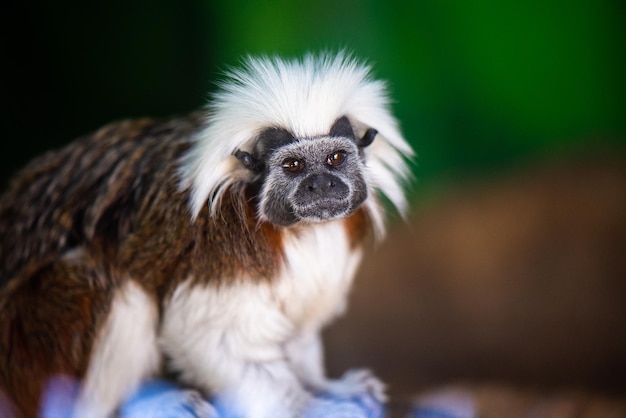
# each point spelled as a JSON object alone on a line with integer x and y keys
{"x": 324, "y": 210}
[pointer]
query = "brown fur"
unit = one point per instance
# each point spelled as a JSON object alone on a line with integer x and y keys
{"x": 48, "y": 327}
{"x": 358, "y": 227}
{"x": 77, "y": 222}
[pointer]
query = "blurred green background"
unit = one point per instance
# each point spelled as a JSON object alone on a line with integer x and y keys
{"x": 478, "y": 86}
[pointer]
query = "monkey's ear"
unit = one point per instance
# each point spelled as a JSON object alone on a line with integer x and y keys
{"x": 368, "y": 138}
{"x": 342, "y": 127}
{"x": 247, "y": 160}
{"x": 273, "y": 138}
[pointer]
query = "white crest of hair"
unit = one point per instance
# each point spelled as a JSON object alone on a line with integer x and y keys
{"x": 305, "y": 97}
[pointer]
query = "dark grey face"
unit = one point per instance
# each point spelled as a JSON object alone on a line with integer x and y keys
{"x": 312, "y": 179}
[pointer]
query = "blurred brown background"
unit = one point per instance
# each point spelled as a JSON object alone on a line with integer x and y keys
{"x": 517, "y": 283}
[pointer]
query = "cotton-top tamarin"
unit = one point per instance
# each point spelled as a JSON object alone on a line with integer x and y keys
{"x": 211, "y": 247}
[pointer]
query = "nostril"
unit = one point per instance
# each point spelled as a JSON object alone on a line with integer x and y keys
{"x": 321, "y": 184}
{"x": 313, "y": 184}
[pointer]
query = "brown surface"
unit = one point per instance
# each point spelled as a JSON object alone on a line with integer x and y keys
{"x": 517, "y": 282}
{"x": 498, "y": 401}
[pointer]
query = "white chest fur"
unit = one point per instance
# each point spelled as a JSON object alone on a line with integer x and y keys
{"x": 212, "y": 333}
{"x": 318, "y": 271}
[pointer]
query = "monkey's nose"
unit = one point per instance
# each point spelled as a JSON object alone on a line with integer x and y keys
{"x": 325, "y": 186}
{"x": 320, "y": 183}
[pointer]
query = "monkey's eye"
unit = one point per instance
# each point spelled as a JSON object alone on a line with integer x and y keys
{"x": 336, "y": 158}
{"x": 293, "y": 165}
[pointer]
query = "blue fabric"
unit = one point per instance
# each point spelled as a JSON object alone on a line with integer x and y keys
{"x": 163, "y": 399}
{"x": 155, "y": 399}
{"x": 363, "y": 407}
{"x": 59, "y": 397}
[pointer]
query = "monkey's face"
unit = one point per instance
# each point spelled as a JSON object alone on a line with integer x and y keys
{"x": 311, "y": 179}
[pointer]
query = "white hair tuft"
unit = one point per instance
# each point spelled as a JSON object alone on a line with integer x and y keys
{"x": 305, "y": 97}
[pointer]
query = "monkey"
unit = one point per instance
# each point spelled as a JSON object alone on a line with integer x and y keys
{"x": 213, "y": 247}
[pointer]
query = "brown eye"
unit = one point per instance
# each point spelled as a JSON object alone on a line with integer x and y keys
{"x": 336, "y": 158}
{"x": 293, "y": 165}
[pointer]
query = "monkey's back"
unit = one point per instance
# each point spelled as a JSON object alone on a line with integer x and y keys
{"x": 78, "y": 223}
{"x": 89, "y": 193}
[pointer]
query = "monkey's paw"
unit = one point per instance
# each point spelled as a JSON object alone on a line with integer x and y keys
{"x": 163, "y": 400}
{"x": 357, "y": 384}
{"x": 358, "y": 393}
